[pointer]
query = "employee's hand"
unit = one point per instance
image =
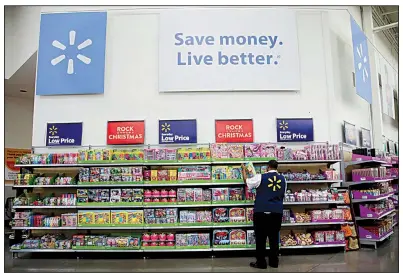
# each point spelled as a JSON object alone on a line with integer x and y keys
{"x": 244, "y": 172}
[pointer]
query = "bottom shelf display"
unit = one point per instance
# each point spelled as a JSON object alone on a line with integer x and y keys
{"x": 223, "y": 239}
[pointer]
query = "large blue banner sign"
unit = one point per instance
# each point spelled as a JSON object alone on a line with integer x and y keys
{"x": 64, "y": 134}
{"x": 71, "y": 53}
{"x": 294, "y": 130}
{"x": 361, "y": 62}
{"x": 177, "y": 131}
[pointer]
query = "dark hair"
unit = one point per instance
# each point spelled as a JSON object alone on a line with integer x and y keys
{"x": 273, "y": 164}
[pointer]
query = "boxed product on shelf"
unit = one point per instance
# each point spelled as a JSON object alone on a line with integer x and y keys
{"x": 161, "y": 216}
{"x": 193, "y": 216}
{"x": 237, "y": 215}
{"x": 327, "y": 215}
{"x": 226, "y": 173}
{"x": 368, "y": 174}
{"x": 193, "y": 153}
{"x": 160, "y": 154}
{"x": 250, "y": 169}
{"x": 250, "y": 238}
{"x": 193, "y": 195}
{"x": 193, "y": 240}
{"x": 43, "y": 159}
{"x": 68, "y": 199}
{"x": 64, "y": 180}
{"x": 237, "y": 237}
{"x": 114, "y": 174}
{"x": 160, "y": 196}
{"x": 304, "y": 239}
{"x": 377, "y": 209}
{"x": 69, "y": 219}
{"x": 220, "y": 215}
{"x": 226, "y": 151}
{"x": 48, "y": 241}
{"x": 221, "y": 237}
{"x": 93, "y": 217}
{"x": 249, "y": 214}
{"x": 314, "y": 195}
{"x": 194, "y": 173}
{"x": 329, "y": 237}
{"x": 227, "y": 194}
{"x": 63, "y": 244}
{"x": 158, "y": 240}
{"x": 260, "y": 150}
{"x": 112, "y": 242}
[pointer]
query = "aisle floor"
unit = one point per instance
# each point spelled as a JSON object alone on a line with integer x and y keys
{"x": 384, "y": 259}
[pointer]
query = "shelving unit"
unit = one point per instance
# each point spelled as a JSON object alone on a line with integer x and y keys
{"x": 364, "y": 183}
{"x": 301, "y": 164}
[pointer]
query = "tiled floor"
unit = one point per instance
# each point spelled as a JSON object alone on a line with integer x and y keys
{"x": 384, "y": 259}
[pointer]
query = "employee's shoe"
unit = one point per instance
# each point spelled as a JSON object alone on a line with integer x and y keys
{"x": 273, "y": 263}
{"x": 258, "y": 265}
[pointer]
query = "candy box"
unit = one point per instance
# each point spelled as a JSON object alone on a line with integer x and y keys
{"x": 102, "y": 217}
{"x": 82, "y": 193}
{"x": 235, "y": 151}
{"x": 147, "y": 175}
{"x": 236, "y": 194}
{"x": 250, "y": 170}
{"x": 220, "y": 215}
{"x": 252, "y": 150}
{"x": 160, "y": 154}
{"x": 206, "y": 194}
{"x": 237, "y": 237}
{"x": 172, "y": 175}
{"x": 268, "y": 150}
{"x": 181, "y": 195}
{"x": 135, "y": 217}
{"x": 221, "y": 237}
{"x": 220, "y": 194}
{"x": 78, "y": 240}
{"x": 127, "y": 195}
{"x": 119, "y": 217}
{"x": 181, "y": 240}
{"x": 162, "y": 175}
{"x": 116, "y": 195}
{"x": 86, "y": 217}
{"x": 154, "y": 175}
{"x": 234, "y": 172}
{"x": 250, "y": 237}
{"x": 237, "y": 215}
{"x": 103, "y": 195}
{"x": 249, "y": 214}
{"x": 198, "y": 194}
{"x": 219, "y": 150}
{"x": 219, "y": 172}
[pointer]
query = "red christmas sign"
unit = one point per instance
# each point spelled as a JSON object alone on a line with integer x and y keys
{"x": 234, "y": 131}
{"x": 125, "y": 132}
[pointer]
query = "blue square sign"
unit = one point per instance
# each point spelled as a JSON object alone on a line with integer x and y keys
{"x": 71, "y": 54}
{"x": 361, "y": 62}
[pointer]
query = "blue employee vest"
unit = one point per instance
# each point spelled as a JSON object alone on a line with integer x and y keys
{"x": 270, "y": 193}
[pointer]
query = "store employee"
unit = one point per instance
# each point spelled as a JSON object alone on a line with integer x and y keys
{"x": 268, "y": 212}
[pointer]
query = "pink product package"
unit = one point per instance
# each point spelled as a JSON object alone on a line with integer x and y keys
{"x": 160, "y": 154}
{"x": 252, "y": 150}
{"x": 219, "y": 150}
{"x": 170, "y": 154}
{"x": 268, "y": 150}
{"x": 235, "y": 151}
{"x": 149, "y": 154}
{"x": 280, "y": 153}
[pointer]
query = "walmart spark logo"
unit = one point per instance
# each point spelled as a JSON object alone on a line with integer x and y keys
{"x": 166, "y": 127}
{"x": 362, "y": 64}
{"x": 53, "y": 130}
{"x": 70, "y": 64}
{"x": 274, "y": 183}
{"x": 283, "y": 125}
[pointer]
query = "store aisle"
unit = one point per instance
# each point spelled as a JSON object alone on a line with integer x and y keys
{"x": 384, "y": 259}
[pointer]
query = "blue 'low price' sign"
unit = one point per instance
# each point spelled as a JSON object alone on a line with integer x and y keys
{"x": 294, "y": 129}
{"x": 64, "y": 134}
{"x": 177, "y": 131}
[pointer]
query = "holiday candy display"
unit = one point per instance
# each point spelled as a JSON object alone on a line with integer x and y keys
{"x": 193, "y": 240}
{"x": 158, "y": 240}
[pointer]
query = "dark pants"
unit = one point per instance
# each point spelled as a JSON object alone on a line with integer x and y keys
{"x": 267, "y": 225}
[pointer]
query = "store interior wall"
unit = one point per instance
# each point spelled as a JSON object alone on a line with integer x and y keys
{"x": 348, "y": 106}
{"x": 338, "y": 81}
{"x": 131, "y": 89}
{"x": 386, "y": 53}
{"x": 18, "y": 112}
